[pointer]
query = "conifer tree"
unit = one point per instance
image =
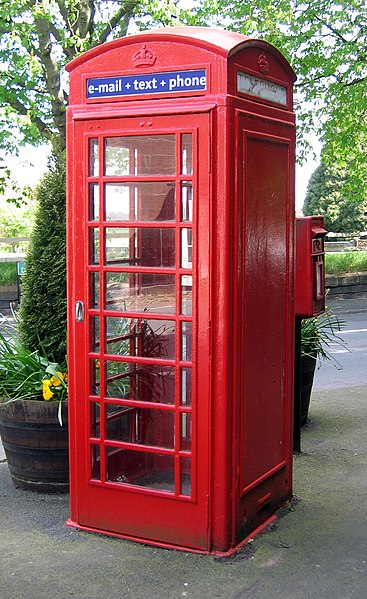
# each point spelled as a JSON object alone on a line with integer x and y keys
{"x": 42, "y": 312}
{"x": 326, "y": 195}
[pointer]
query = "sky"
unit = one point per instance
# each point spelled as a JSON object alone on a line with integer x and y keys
{"x": 28, "y": 168}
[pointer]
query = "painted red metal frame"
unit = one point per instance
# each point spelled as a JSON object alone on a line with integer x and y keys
{"x": 310, "y": 266}
{"x": 225, "y": 509}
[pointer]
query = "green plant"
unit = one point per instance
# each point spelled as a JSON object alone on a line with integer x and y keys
{"x": 42, "y": 324}
{"x": 326, "y": 195}
{"x": 318, "y": 333}
{"x": 8, "y": 273}
{"x": 26, "y": 374}
{"x": 16, "y": 221}
{"x": 354, "y": 261}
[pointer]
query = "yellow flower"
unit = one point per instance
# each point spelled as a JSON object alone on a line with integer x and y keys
{"x": 55, "y": 381}
{"x": 47, "y": 393}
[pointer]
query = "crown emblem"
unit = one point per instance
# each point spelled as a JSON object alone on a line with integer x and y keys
{"x": 263, "y": 63}
{"x": 144, "y": 57}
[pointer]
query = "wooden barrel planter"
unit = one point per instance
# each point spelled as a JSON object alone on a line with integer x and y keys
{"x": 36, "y": 446}
{"x": 308, "y": 365}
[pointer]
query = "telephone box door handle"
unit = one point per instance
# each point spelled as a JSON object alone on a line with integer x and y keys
{"x": 79, "y": 311}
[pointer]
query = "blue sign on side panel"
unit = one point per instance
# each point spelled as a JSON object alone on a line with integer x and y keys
{"x": 154, "y": 83}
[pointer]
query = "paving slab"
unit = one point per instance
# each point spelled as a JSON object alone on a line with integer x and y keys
{"x": 317, "y": 548}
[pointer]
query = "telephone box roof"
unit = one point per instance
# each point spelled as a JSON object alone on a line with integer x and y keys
{"x": 220, "y": 41}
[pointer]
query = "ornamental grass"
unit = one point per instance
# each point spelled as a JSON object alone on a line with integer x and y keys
{"x": 26, "y": 374}
{"x": 319, "y": 333}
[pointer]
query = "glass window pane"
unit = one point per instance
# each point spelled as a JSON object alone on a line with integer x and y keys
{"x": 94, "y": 334}
{"x": 156, "y": 428}
{"x": 94, "y": 202}
{"x": 94, "y": 289}
{"x": 186, "y": 154}
{"x": 186, "y": 476}
{"x": 138, "y": 292}
{"x": 146, "y": 202}
{"x": 94, "y": 246}
{"x": 120, "y": 247}
{"x": 186, "y": 295}
{"x": 120, "y": 423}
{"x": 95, "y": 416}
{"x": 119, "y": 201}
{"x": 140, "y": 247}
{"x": 141, "y": 469}
{"x": 119, "y": 379}
{"x": 141, "y": 426}
{"x": 120, "y": 336}
{"x": 186, "y": 432}
{"x": 139, "y": 337}
{"x": 186, "y": 341}
{"x": 141, "y": 382}
{"x": 96, "y": 462}
{"x": 186, "y": 201}
{"x": 140, "y": 155}
{"x": 186, "y": 386}
{"x": 119, "y": 159}
{"x": 186, "y": 248}
{"x": 95, "y": 366}
{"x": 93, "y": 157}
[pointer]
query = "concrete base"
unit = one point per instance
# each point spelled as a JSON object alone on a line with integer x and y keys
{"x": 316, "y": 548}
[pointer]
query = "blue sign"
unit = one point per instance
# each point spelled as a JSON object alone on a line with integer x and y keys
{"x": 20, "y": 268}
{"x": 155, "y": 83}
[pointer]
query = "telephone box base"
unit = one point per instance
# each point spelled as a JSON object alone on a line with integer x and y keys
{"x": 152, "y": 543}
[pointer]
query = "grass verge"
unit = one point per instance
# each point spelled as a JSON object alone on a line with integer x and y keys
{"x": 8, "y": 274}
{"x": 337, "y": 263}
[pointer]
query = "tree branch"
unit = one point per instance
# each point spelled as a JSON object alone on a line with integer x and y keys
{"x": 332, "y": 29}
{"x": 305, "y": 82}
{"x": 69, "y": 51}
{"x": 65, "y": 14}
{"x": 84, "y": 24}
{"x": 354, "y": 82}
{"x": 23, "y": 110}
{"x": 52, "y": 75}
{"x": 124, "y": 14}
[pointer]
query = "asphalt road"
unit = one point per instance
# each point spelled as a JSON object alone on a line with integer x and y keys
{"x": 347, "y": 368}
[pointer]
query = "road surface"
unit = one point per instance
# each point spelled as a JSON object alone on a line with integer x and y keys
{"x": 348, "y": 366}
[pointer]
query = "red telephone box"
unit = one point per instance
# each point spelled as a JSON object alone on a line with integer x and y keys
{"x": 180, "y": 286}
{"x": 310, "y": 266}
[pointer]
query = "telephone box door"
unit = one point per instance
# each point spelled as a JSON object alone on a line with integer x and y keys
{"x": 138, "y": 287}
